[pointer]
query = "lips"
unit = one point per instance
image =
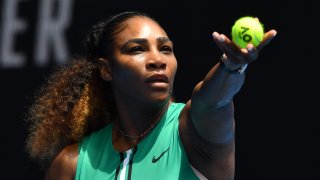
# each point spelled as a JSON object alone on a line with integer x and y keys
{"x": 162, "y": 78}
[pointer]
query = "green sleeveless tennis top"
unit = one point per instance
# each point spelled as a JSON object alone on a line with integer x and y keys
{"x": 160, "y": 155}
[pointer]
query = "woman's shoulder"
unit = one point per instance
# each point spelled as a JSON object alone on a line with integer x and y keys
{"x": 64, "y": 164}
{"x": 176, "y": 106}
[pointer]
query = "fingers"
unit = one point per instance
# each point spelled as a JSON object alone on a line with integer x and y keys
{"x": 244, "y": 55}
{"x": 224, "y": 43}
{"x": 268, "y": 36}
{"x": 230, "y": 49}
{"x": 218, "y": 40}
{"x": 252, "y": 52}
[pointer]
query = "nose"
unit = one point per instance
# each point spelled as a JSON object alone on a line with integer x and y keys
{"x": 156, "y": 62}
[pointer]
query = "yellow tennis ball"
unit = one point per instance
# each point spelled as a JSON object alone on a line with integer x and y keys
{"x": 246, "y": 30}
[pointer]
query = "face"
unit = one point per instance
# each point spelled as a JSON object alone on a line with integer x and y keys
{"x": 144, "y": 65}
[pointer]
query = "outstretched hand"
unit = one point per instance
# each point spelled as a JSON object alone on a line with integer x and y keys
{"x": 235, "y": 54}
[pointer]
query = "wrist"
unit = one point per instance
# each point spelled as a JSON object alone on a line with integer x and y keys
{"x": 230, "y": 67}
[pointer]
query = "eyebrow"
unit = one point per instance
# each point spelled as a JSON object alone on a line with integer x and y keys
{"x": 136, "y": 41}
{"x": 160, "y": 40}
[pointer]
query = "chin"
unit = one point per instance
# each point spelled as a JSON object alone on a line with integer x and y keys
{"x": 160, "y": 97}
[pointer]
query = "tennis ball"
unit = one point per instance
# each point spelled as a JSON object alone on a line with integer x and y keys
{"x": 246, "y": 30}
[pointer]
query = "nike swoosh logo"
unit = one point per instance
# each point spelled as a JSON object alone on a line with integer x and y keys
{"x": 154, "y": 159}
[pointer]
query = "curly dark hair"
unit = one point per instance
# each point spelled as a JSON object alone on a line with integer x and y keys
{"x": 75, "y": 100}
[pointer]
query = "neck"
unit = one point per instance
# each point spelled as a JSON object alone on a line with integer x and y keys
{"x": 134, "y": 122}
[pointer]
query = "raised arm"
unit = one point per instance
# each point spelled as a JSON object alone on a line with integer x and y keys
{"x": 207, "y": 122}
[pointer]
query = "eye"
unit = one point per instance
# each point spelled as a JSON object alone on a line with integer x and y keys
{"x": 136, "y": 50}
{"x": 166, "y": 49}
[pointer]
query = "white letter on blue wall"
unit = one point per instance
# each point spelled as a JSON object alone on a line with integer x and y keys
{"x": 11, "y": 26}
{"x": 50, "y": 31}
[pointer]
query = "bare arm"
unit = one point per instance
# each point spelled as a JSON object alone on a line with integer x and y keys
{"x": 206, "y": 123}
{"x": 63, "y": 167}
